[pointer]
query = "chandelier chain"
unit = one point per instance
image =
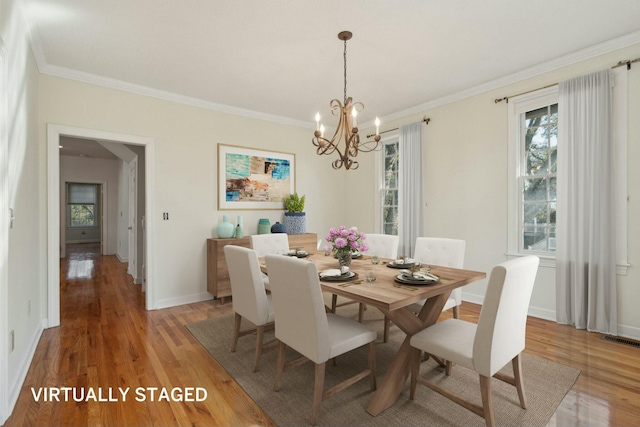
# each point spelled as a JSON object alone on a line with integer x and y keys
{"x": 345, "y": 71}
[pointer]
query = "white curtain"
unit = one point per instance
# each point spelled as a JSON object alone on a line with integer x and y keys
{"x": 410, "y": 200}
{"x": 586, "y": 258}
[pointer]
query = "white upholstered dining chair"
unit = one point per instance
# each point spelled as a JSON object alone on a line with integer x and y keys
{"x": 302, "y": 323}
{"x": 486, "y": 347}
{"x": 269, "y": 244}
{"x": 382, "y": 245}
{"x": 443, "y": 252}
{"x": 250, "y": 300}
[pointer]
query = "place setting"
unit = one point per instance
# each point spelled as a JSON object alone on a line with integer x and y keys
{"x": 415, "y": 276}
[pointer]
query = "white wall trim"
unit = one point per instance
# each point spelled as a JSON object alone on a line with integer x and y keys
{"x": 121, "y": 258}
{"x": 23, "y": 369}
{"x": 528, "y": 73}
{"x": 54, "y": 131}
{"x": 187, "y": 299}
{"x": 4, "y": 240}
{"x": 545, "y": 314}
{"x": 93, "y": 79}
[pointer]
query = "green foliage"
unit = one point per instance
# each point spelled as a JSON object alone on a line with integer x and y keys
{"x": 294, "y": 203}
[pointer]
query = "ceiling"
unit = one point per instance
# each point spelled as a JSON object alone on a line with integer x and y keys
{"x": 80, "y": 147}
{"x": 281, "y": 59}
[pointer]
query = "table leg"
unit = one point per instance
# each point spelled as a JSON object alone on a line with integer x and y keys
{"x": 396, "y": 376}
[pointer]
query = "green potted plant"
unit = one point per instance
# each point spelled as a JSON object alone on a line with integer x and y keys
{"x": 295, "y": 221}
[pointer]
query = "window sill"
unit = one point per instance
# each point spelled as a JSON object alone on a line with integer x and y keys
{"x": 550, "y": 262}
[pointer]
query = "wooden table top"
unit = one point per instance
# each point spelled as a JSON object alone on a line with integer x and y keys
{"x": 384, "y": 292}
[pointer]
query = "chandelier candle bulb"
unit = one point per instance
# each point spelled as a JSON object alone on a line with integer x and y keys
{"x": 354, "y": 113}
{"x": 317, "y": 121}
{"x": 377, "y": 126}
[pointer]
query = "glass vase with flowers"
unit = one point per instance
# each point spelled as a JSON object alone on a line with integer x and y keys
{"x": 344, "y": 242}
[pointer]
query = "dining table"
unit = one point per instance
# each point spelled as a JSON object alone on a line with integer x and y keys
{"x": 392, "y": 299}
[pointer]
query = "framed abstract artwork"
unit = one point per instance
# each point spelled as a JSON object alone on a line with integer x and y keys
{"x": 250, "y": 178}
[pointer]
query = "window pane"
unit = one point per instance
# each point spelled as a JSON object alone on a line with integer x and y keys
{"x": 538, "y": 162}
{"x": 552, "y": 188}
{"x": 390, "y": 150}
{"x": 391, "y": 229}
{"x": 537, "y": 239}
{"x": 390, "y": 214}
{"x": 554, "y": 161}
{"x": 391, "y": 198}
{"x": 552, "y": 214}
{"x": 82, "y": 215}
{"x": 535, "y": 213}
{"x": 535, "y": 189}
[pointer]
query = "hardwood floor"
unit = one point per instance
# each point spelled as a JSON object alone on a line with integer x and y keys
{"x": 108, "y": 340}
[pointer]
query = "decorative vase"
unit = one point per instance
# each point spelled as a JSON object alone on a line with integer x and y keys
{"x": 225, "y": 229}
{"x": 344, "y": 259}
{"x": 264, "y": 226}
{"x": 239, "y": 228}
{"x": 295, "y": 222}
{"x": 278, "y": 228}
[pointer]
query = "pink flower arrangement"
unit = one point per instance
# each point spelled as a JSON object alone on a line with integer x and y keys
{"x": 345, "y": 239}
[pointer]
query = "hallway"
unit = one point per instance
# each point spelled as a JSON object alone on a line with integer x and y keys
{"x": 107, "y": 340}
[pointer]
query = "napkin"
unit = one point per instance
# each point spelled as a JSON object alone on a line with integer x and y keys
{"x": 425, "y": 275}
{"x": 404, "y": 261}
{"x": 333, "y": 272}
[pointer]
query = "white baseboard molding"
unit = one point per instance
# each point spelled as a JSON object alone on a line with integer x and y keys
{"x": 546, "y": 314}
{"x": 23, "y": 369}
{"x": 122, "y": 259}
{"x": 72, "y": 242}
{"x": 187, "y": 299}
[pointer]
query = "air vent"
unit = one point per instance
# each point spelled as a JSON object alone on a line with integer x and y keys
{"x": 619, "y": 340}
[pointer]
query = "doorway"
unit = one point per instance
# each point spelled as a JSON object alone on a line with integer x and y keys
{"x": 54, "y": 132}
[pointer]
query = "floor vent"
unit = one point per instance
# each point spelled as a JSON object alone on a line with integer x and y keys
{"x": 625, "y": 341}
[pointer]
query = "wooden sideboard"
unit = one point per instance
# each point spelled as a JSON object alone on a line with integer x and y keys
{"x": 218, "y": 283}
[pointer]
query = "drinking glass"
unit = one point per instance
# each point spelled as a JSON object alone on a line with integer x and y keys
{"x": 375, "y": 260}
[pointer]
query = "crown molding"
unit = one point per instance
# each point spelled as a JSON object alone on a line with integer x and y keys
{"x": 94, "y": 79}
{"x": 557, "y": 63}
{"x": 554, "y": 64}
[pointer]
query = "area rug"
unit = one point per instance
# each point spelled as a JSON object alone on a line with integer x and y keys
{"x": 546, "y": 384}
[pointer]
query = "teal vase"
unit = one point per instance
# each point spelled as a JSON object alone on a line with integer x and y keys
{"x": 225, "y": 229}
{"x": 239, "y": 228}
{"x": 264, "y": 226}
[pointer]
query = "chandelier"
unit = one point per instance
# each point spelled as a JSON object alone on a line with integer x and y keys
{"x": 345, "y": 141}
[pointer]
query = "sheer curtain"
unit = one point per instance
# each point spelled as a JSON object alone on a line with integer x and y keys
{"x": 410, "y": 201}
{"x": 586, "y": 258}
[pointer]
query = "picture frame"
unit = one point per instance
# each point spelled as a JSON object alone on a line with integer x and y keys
{"x": 251, "y": 178}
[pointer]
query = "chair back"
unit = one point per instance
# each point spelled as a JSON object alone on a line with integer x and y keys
{"x": 247, "y": 288}
{"x": 298, "y": 306}
{"x": 270, "y": 243}
{"x": 444, "y": 252}
{"x": 440, "y": 251}
{"x": 383, "y": 245}
{"x": 503, "y": 319}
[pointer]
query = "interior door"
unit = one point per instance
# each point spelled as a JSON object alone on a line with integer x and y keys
{"x": 133, "y": 197}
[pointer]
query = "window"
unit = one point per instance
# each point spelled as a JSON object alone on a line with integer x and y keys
{"x": 81, "y": 202}
{"x": 538, "y": 133}
{"x": 533, "y": 144}
{"x": 389, "y": 187}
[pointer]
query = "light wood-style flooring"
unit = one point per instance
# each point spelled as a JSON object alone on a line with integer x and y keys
{"x": 108, "y": 340}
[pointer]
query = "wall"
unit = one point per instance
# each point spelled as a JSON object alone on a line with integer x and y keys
{"x": 186, "y": 141}
{"x": 122, "y": 251}
{"x": 465, "y": 183}
{"x": 141, "y": 213}
{"x": 99, "y": 171}
{"x": 26, "y": 258}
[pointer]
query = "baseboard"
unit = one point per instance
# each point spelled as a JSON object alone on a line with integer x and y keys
{"x": 122, "y": 259}
{"x": 546, "y": 314}
{"x": 16, "y": 387}
{"x": 73, "y": 242}
{"x": 187, "y": 299}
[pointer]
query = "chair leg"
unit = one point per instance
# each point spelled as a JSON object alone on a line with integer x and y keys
{"x": 485, "y": 391}
{"x": 279, "y": 366}
{"x": 334, "y": 303}
{"x": 517, "y": 376}
{"x": 387, "y": 325}
{"x": 372, "y": 364}
{"x": 259, "y": 339}
{"x": 414, "y": 359}
{"x": 447, "y": 368}
{"x": 236, "y": 332}
{"x": 318, "y": 389}
{"x": 361, "y": 312}
{"x": 456, "y": 312}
